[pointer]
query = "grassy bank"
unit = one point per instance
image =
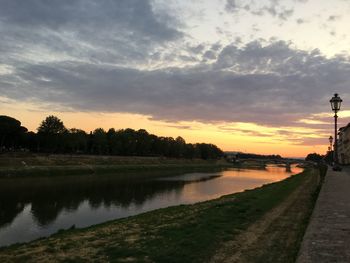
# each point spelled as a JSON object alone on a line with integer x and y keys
{"x": 58, "y": 165}
{"x": 105, "y": 169}
{"x": 201, "y": 232}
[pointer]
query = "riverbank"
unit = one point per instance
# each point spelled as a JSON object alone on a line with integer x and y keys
{"x": 189, "y": 233}
{"x": 60, "y": 165}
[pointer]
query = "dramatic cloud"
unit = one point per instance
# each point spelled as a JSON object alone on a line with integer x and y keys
{"x": 80, "y": 16}
{"x": 127, "y": 56}
{"x": 118, "y": 32}
{"x": 269, "y": 84}
{"x": 271, "y": 7}
{"x": 231, "y": 6}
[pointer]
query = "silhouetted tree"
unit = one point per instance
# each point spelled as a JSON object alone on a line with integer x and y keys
{"x": 100, "y": 142}
{"x": 314, "y": 157}
{"x": 53, "y": 137}
{"x": 129, "y": 141}
{"x": 329, "y": 157}
{"x": 52, "y": 126}
{"x": 190, "y": 151}
{"x": 50, "y": 132}
{"x": 12, "y": 134}
{"x": 208, "y": 151}
{"x": 143, "y": 143}
{"x": 76, "y": 141}
{"x": 257, "y": 156}
{"x": 31, "y": 141}
{"x": 114, "y": 142}
{"x": 180, "y": 147}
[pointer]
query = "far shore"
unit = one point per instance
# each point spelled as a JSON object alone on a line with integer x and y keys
{"x": 18, "y": 165}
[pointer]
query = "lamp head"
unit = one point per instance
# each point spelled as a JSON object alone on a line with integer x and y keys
{"x": 336, "y": 103}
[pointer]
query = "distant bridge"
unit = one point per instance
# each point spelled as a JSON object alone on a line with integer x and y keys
{"x": 257, "y": 162}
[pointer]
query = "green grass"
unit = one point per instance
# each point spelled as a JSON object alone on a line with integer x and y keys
{"x": 281, "y": 240}
{"x": 186, "y": 233}
{"x": 60, "y": 165}
{"x": 32, "y": 159}
{"x": 104, "y": 169}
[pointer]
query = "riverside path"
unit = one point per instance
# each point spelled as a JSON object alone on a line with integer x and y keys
{"x": 327, "y": 238}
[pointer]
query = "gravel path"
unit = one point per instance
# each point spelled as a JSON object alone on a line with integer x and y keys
{"x": 327, "y": 238}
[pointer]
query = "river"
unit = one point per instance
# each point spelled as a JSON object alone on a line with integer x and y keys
{"x": 38, "y": 207}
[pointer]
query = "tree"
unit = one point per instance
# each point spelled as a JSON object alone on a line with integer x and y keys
{"x": 128, "y": 139}
{"x": 31, "y": 141}
{"x": 180, "y": 147}
{"x": 190, "y": 151}
{"x": 11, "y": 132}
{"x": 314, "y": 157}
{"x": 329, "y": 157}
{"x": 51, "y": 125}
{"x": 53, "y": 137}
{"x": 76, "y": 141}
{"x": 143, "y": 143}
{"x": 208, "y": 151}
{"x": 51, "y": 134}
{"x": 100, "y": 142}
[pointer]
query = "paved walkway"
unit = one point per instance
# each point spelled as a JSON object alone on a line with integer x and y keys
{"x": 327, "y": 238}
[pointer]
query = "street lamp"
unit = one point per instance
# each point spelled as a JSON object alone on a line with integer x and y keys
{"x": 330, "y": 143}
{"x": 335, "y": 104}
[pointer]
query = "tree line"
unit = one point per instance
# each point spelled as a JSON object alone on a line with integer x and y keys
{"x": 53, "y": 137}
{"x": 258, "y": 156}
{"x": 315, "y": 157}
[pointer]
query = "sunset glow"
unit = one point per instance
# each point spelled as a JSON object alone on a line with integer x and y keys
{"x": 250, "y": 76}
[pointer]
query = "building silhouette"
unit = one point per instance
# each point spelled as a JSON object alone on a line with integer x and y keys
{"x": 344, "y": 145}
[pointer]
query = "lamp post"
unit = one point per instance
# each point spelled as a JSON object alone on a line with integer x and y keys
{"x": 330, "y": 143}
{"x": 330, "y": 149}
{"x": 335, "y": 104}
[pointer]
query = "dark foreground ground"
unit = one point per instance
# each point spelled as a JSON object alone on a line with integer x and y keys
{"x": 262, "y": 225}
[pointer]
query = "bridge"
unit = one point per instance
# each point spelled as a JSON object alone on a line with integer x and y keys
{"x": 262, "y": 163}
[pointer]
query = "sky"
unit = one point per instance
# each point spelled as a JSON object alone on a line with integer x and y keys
{"x": 247, "y": 75}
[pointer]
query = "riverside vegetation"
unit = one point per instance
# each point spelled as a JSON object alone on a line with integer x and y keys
{"x": 32, "y": 164}
{"x": 261, "y": 225}
{"x": 53, "y": 137}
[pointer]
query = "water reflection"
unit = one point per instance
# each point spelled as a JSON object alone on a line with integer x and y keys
{"x": 49, "y": 197}
{"x": 35, "y": 207}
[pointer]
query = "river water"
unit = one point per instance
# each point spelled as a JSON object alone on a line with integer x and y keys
{"x": 37, "y": 207}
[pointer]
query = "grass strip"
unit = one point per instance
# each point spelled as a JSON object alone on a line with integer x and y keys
{"x": 102, "y": 169}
